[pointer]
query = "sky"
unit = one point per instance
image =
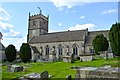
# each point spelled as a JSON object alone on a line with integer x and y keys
{"x": 64, "y": 15}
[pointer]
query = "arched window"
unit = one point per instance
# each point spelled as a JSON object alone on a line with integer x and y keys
{"x": 47, "y": 50}
{"x": 53, "y": 50}
{"x": 60, "y": 51}
{"x": 75, "y": 49}
{"x": 41, "y": 51}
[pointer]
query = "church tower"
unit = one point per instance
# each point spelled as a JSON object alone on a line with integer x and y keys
{"x": 37, "y": 25}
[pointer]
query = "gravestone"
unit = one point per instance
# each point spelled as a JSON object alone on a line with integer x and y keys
{"x": 52, "y": 58}
{"x": 95, "y": 73}
{"x": 86, "y": 57}
{"x": 9, "y": 68}
{"x": 72, "y": 58}
{"x": 68, "y": 77}
{"x": 110, "y": 55}
{"x": 31, "y": 76}
{"x": 14, "y": 68}
{"x": 66, "y": 59}
{"x": 44, "y": 75}
{"x": 106, "y": 55}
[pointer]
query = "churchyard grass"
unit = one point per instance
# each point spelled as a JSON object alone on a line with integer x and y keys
{"x": 57, "y": 69}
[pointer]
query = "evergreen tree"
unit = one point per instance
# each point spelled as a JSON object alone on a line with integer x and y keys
{"x": 10, "y": 53}
{"x": 100, "y": 43}
{"x": 25, "y": 52}
{"x": 114, "y": 37}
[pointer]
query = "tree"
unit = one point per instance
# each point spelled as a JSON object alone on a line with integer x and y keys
{"x": 100, "y": 43}
{"x": 25, "y": 52}
{"x": 10, "y": 53}
{"x": 114, "y": 37}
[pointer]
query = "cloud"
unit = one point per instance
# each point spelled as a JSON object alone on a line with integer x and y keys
{"x": 12, "y": 34}
{"x": 109, "y": 11}
{"x": 60, "y": 24}
{"x": 15, "y": 41}
{"x": 4, "y": 25}
{"x": 60, "y": 4}
{"x": 22, "y": 40}
{"x": 6, "y": 28}
{"x": 4, "y": 14}
{"x": 90, "y": 26}
{"x": 66, "y": 3}
{"x": 82, "y": 17}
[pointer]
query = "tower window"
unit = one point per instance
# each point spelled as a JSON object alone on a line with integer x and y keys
{"x": 34, "y": 23}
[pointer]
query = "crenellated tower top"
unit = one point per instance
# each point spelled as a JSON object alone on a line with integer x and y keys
{"x": 37, "y": 16}
{"x": 38, "y": 25}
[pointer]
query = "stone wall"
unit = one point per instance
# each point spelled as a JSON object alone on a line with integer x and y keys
{"x": 64, "y": 49}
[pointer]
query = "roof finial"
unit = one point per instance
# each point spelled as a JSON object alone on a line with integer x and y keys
{"x": 29, "y": 14}
{"x": 40, "y": 10}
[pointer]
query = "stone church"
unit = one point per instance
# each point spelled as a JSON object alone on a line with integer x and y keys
{"x": 59, "y": 44}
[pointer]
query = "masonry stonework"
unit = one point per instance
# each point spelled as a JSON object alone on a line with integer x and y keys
{"x": 59, "y": 44}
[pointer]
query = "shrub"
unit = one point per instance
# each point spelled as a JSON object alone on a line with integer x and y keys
{"x": 25, "y": 52}
{"x": 10, "y": 53}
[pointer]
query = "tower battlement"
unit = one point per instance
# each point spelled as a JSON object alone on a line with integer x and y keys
{"x": 36, "y": 16}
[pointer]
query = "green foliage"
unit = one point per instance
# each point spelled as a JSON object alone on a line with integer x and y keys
{"x": 100, "y": 43}
{"x": 10, "y": 53}
{"x": 25, "y": 52}
{"x": 114, "y": 37}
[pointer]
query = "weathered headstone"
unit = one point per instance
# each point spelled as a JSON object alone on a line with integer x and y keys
{"x": 86, "y": 57}
{"x": 68, "y": 77}
{"x": 106, "y": 54}
{"x": 102, "y": 73}
{"x": 14, "y": 68}
{"x": 44, "y": 75}
{"x": 72, "y": 58}
{"x": 67, "y": 58}
{"x": 52, "y": 58}
{"x": 31, "y": 76}
{"x": 9, "y": 68}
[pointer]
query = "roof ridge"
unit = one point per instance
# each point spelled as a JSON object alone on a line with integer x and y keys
{"x": 67, "y": 31}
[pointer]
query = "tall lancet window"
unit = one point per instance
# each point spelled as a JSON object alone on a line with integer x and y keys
{"x": 75, "y": 49}
{"x": 47, "y": 50}
{"x": 41, "y": 50}
{"x": 53, "y": 50}
{"x": 67, "y": 50}
{"x": 60, "y": 51}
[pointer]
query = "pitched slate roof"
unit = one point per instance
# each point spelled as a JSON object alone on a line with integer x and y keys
{"x": 92, "y": 34}
{"x": 77, "y": 35}
{"x": 34, "y": 49}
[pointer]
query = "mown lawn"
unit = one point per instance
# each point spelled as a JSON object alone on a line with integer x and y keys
{"x": 57, "y": 69}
